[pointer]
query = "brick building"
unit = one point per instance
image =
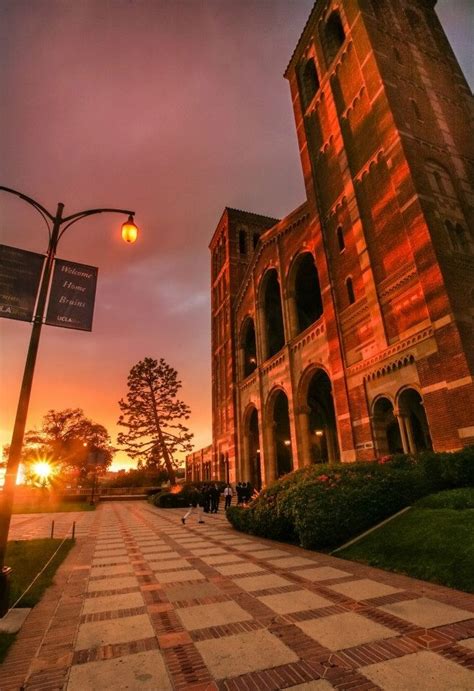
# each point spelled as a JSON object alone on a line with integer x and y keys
{"x": 199, "y": 465}
{"x": 345, "y": 330}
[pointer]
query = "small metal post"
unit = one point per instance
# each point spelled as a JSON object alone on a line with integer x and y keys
{"x": 52, "y": 529}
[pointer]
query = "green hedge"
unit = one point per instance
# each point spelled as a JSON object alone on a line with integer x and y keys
{"x": 321, "y": 507}
{"x": 168, "y": 500}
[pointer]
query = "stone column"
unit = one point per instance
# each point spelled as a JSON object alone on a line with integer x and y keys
{"x": 292, "y": 314}
{"x": 410, "y": 437}
{"x": 260, "y": 333}
{"x": 403, "y": 431}
{"x": 270, "y": 454}
{"x": 304, "y": 435}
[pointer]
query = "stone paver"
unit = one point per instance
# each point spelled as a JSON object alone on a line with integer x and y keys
{"x": 339, "y": 631}
{"x": 140, "y": 671}
{"x": 245, "y": 652}
{"x": 419, "y": 672}
{"x": 143, "y": 602}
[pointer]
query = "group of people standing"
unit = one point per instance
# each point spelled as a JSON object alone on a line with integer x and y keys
{"x": 207, "y": 497}
{"x": 244, "y": 492}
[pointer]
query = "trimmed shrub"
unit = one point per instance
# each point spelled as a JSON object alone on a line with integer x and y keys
{"x": 169, "y": 500}
{"x": 240, "y": 518}
{"x": 324, "y": 506}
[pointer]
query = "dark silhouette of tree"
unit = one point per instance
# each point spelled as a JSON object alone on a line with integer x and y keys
{"x": 152, "y": 415}
{"x": 67, "y": 438}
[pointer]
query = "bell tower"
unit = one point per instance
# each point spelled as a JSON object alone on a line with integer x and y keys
{"x": 382, "y": 112}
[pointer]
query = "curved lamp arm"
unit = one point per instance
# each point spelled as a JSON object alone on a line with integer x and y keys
{"x": 73, "y": 218}
{"x": 32, "y": 202}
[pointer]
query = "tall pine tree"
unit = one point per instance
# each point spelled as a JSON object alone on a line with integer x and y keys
{"x": 153, "y": 416}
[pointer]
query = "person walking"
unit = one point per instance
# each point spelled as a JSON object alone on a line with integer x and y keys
{"x": 196, "y": 503}
{"x": 228, "y": 493}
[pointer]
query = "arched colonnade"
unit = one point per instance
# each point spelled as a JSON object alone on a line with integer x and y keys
{"x": 269, "y": 448}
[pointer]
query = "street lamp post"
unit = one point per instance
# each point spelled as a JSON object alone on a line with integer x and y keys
{"x": 59, "y": 224}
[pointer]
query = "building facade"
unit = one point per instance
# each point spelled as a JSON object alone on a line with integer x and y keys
{"x": 199, "y": 465}
{"x": 344, "y": 331}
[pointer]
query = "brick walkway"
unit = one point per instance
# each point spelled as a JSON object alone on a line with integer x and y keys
{"x": 146, "y": 603}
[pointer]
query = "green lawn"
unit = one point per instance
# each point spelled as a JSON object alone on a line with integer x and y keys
{"x": 27, "y": 558}
{"x": 49, "y": 507}
{"x": 433, "y": 541}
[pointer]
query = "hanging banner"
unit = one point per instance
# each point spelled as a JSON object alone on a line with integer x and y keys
{"x": 72, "y": 296}
{"x": 20, "y": 274}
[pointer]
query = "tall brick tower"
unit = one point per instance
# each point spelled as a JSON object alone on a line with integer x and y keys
{"x": 232, "y": 247}
{"x": 383, "y": 119}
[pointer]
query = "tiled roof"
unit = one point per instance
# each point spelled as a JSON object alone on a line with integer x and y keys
{"x": 253, "y": 215}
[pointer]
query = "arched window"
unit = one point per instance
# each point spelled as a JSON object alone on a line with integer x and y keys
{"x": 309, "y": 82}
{"x": 249, "y": 347}
{"x": 334, "y": 36}
{"x": 340, "y": 238}
{"x": 439, "y": 179}
{"x": 256, "y": 238}
{"x": 416, "y": 110}
{"x": 452, "y": 235}
{"x": 273, "y": 316}
{"x": 350, "y": 290}
{"x": 308, "y": 303}
{"x": 242, "y": 242}
{"x": 414, "y": 20}
{"x": 462, "y": 237}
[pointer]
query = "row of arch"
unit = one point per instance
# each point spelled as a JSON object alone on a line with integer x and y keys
{"x": 332, "y": 37}
{"x": 399, "y": 426}
{"x": 315, "y": 427}
{"x": 305, "y": 307}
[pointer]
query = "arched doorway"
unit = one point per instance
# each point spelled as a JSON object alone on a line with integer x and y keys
{"x": 387, "y": 435}
{"x": 272, "y": 313}
{"x": 306, "y": 303}
{"x": 254, "y": 473}
{"x": 413, "y": 417}
{"x": 323, "y": 446}
{"x": 281, "y": 435}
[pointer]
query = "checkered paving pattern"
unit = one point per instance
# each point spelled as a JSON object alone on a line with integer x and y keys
{"x": 145, "y": 602}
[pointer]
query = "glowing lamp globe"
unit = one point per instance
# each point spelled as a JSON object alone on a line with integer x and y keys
{"x": 129, "y": 230}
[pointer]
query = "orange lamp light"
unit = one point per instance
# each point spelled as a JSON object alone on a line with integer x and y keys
{"x": 129, "y": 230}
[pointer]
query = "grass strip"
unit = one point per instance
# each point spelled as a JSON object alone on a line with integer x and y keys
{"x": 434, "y": 544}
{"x": 27, "y": 558}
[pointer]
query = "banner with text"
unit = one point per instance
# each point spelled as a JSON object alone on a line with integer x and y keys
{"x": 20, "y": 274}
{"x": 71, "y": 300}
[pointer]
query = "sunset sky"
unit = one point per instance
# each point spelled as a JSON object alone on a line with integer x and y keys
{"x": 173, "y": 108}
